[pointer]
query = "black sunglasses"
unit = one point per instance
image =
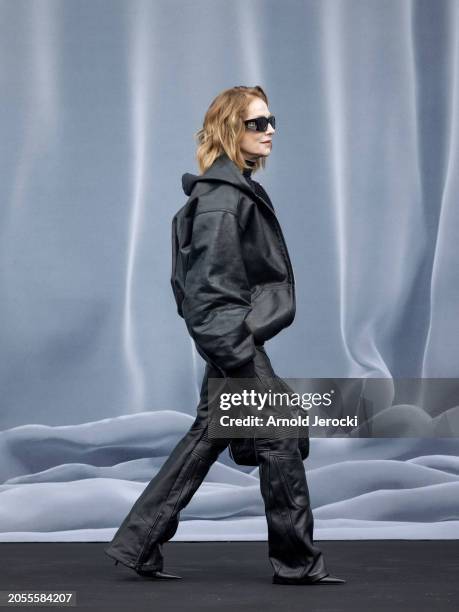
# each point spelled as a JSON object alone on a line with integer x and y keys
{"x": 260, "y": 124}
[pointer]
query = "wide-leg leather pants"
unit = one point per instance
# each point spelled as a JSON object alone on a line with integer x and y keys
{"x": 154, "y": 517}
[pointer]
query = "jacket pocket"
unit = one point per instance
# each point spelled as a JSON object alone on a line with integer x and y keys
{"x": 267, "y": 287}
{"x": 292, "y": 476}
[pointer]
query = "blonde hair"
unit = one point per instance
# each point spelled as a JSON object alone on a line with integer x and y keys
{"x": 223, "y": 127}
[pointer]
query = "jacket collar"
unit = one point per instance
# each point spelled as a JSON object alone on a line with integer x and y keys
{"x": 223, "y": 170}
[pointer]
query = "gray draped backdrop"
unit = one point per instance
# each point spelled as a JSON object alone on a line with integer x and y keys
{"x": 99, "y": 378}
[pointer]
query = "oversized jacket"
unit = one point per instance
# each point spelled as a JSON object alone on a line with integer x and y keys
{"x": 232, "y": 277}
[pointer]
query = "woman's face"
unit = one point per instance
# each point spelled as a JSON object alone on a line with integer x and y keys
{"x": 257, "y": 144}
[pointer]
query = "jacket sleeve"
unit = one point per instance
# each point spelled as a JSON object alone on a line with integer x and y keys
{"x": 217, "y": 293}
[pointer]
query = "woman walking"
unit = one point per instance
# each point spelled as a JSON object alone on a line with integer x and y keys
{"x": 234, "y": 286}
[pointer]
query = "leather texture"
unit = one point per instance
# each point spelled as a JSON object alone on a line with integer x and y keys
{"x": 154, "y": 517}
{"x": 234, "y": 286}
{"x": 232, "y": 277}
{"x": 243, "y": 450}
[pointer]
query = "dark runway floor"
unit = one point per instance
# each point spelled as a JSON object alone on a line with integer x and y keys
{"x": 221, "y": 576}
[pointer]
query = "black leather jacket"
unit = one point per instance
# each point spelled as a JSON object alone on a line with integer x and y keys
{"x": 232, "y": 278}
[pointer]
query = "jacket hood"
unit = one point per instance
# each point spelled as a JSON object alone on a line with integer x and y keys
{"x": 223, "y": 170}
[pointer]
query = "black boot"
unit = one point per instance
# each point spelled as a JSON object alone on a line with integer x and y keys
{"x": 324, "y": 580}
{"x": 155, "y": 574}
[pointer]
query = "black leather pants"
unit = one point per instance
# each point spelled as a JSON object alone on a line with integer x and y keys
{"x": 154, "y": 517}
